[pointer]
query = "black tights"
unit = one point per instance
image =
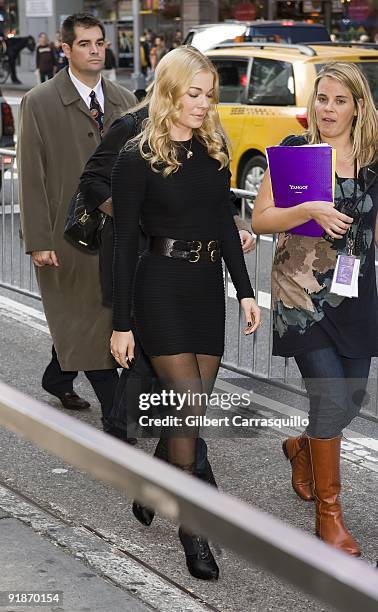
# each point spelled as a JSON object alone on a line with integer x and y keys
{"x": 186, "y": 374}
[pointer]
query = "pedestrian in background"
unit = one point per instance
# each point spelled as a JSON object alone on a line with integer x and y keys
{"x": 61, "y": 124}
{"x": 109, "y": 71}
{"x": 60, "y": 58}
{"x": 177, "y": 41}
{"x": 45, "y": 58}
{"x": 332, "y": 338}
{"x": 158, "y": 51}
{"x": 144, "y": 56}
{"x": 173, "y": 178}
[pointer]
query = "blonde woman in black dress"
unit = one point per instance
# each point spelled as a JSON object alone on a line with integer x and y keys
{"x": 174, "y": 179}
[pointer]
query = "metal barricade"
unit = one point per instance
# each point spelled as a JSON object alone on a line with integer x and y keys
{"x": 302, "y": 560}
{"x": 250, "y": 357}
{"x": 16, "y": 269}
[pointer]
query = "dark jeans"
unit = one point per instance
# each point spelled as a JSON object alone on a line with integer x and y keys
{"x": 104, "y": 383}
{"x": 44, "y": 76}
{"x": 336, "y": 387}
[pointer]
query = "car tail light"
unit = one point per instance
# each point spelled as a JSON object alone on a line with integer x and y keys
{"x": 7, "y": 161}
{"x": 302, "y": 119}
{"x": 7, "y": 118}
{"x": 239, "y": 39}
{"x": 243, "y": 80}
{"x": 287, "y": 23}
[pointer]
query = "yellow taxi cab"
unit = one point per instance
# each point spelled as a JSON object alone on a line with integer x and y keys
{"x": 264, "y": 89}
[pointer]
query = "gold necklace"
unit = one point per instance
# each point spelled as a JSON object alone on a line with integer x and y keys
{"x": 189, "y": 152}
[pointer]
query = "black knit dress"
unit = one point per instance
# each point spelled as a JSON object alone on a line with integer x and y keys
{"x": 178, "y": 306}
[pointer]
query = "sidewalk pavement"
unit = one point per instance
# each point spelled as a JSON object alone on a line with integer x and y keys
{"x": 28, "y": 80}
{"x": 48, "y": 569}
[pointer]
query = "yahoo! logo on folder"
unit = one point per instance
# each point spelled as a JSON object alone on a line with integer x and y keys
{"x": 298, "y": 186}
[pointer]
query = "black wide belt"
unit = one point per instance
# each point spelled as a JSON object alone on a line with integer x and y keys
{"x": 189, "y": 250}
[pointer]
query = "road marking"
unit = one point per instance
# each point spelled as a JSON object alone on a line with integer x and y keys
{"x": 8, "y": 174}
{"x": 351, "y": 447}
{"x": 12, "y": 305}
{"x": 23, "y": 314}
{"x": 263, "y": 298}
{"x": 9, "y": 209}
{"x": 12, "y": 100}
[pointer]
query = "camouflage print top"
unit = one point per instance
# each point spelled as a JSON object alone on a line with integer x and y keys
{"x": 306, "y": 316}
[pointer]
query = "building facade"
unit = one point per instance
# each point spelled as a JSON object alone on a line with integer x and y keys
{"x": 164, "y": 17}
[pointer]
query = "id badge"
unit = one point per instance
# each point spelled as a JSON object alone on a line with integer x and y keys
{"x": 345, "y": 276}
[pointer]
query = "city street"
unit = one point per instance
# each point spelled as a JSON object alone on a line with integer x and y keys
{"x": 78, "y": 535}
{"x": 93, "y": 523}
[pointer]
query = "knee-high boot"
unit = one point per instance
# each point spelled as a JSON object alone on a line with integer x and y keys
{"x": 296, "y": 451}
{"x": 325, "y": 465}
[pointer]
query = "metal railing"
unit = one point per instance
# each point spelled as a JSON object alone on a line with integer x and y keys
{"x": 16, "y": 269}
{"x": 302, "y": 560}
{"x": 250, "y": 357}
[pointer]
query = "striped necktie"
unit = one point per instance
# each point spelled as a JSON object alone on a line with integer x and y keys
{"x": 96, "y": 112}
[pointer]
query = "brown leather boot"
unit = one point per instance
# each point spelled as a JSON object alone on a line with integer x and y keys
{"x": 325, "y": 463}
{"x": 296, "y": 451}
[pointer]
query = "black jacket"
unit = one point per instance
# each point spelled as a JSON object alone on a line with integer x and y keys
{"x": 95, "y": 182}
{"x": 95, "y": 185}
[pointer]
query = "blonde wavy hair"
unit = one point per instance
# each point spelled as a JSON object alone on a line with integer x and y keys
{"x": 364, "y": 132}
{"x": 173, "y": 77}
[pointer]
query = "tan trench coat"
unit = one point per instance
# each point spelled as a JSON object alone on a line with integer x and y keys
{"x": 57, "y": 135}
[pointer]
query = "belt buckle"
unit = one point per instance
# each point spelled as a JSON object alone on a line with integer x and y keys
{"x": 84, "y": 218}
{"x": 196, "y": 256}
{"x": 195, "y": 251}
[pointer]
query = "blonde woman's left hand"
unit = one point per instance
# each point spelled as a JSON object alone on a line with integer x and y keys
{"x": 252, "y": 315}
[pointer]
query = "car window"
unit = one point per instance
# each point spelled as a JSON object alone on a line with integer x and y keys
{"x": 189, "y": 38}
{"x": 232, "y": 79}
{"x": 370, "y": 70}
{"x": 272, "y": 83}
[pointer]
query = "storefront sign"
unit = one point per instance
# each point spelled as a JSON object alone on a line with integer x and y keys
{"x": 358, "y": 10}
{"x": 38, "y": 8}
{"x": 245, "y": 11}
{"x": 316, "y": 6}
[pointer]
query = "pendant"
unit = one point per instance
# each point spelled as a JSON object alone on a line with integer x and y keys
{"x": 189, "y": 154}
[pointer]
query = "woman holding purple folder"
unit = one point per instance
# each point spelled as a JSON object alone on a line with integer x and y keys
{"x": 331, "y": 336}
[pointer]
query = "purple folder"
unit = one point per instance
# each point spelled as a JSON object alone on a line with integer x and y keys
{"x": 301, "y": 174}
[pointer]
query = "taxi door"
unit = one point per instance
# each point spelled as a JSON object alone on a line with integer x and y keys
{"x": 233, "y": 78}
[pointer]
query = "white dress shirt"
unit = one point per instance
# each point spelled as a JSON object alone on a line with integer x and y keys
{"x": 84, "y": 90}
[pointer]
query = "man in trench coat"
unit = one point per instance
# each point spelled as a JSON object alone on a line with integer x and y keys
{"x": 61, "y": 124}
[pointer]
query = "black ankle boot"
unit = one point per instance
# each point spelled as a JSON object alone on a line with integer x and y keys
{"x": 143, "y": 514}
{"x": 199, "y": 558}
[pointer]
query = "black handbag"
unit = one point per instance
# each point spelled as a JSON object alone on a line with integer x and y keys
{"x": 83, "y": 229}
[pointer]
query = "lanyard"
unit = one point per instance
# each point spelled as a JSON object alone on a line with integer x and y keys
{"x": 349, "y": 239}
